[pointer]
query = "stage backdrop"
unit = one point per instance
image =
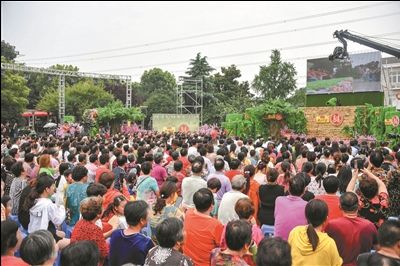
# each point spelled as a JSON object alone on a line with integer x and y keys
{"x": 329, "y": 121}
{"x": 176, "y": 122}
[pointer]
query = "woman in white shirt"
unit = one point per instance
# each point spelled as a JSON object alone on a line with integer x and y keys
{"x": 43, "y": 213}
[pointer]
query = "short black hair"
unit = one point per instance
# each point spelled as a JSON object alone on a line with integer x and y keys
{"x": 214, "y": 183}
{"x": 79, "y": 172}
{"x": 274, "y": 252}
{"x": 175, "y": 155}
{"x": 331, "y": 184}
{"x": 203, "y": 199}
{"x": 158, "y": 157}
{"x": 104, "y": 158}
{"x": 38, "y": 247}
{"x": 349, "y": 202}
{"x": 238, "y": 234}
{"x": 376, "y": 158}
{"x": 197, "y": 167}
{"x": 297, "y": 185}
{"x": 219, "y": 164}
{"x": 29, "y": 157}
{"x": 272, "y": 175}
{"x": 93, "y": 158}
{"x": 62, "y": 167}
{"x": 83, "y": 252}
{"x": 146, "y": 168}
{"x": 169, "y": 232}
{"x": 369, "y": 188}
{"x": 178, "y": 165}
{"x": 389, "y": 233}
{"x": 17, "y": 169}
{"x": 82, "y": 158}
{"x": 9, "y": 239}
{"x": 311, "y": 156}
{"x": 184, "y": 152}
{"x": 307, "y": 167}
{"x": 121, "y": 160}
{"x": 234, "y": 164}
{"x": 96, "y": 189}
{"x": 135, "y": 211}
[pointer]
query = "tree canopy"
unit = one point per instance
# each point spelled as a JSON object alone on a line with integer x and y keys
{"x": 78, "y": 97}
{"x": 14, "y": 95}
{"x": 8, "y": 51}
{"x": 116, "y": 112}
{"x": 199, "y": 67}
{"x": 277, "y": 80}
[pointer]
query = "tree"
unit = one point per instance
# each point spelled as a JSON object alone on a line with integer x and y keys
{"x": 138, "y": 95}
{"x": 232, "y": 96}
{"x": 8, "y": 52}
{"x": 14, "y": 93}
{"x": 157, "y": 80}
{"x": 157, "y": 89}
{"x": 159, "y": 103}
{"x": 298, "y": 99}
{"x": 277, "y": 80}
{"x": 78, "y": 97}
{"x": 115, "y": 112}
{"x": 199, "y": 67}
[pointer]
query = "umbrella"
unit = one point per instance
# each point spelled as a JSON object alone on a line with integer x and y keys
{"x": 50, "y": 125}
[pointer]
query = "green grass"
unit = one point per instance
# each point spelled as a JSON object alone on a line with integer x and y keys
{"x": 313, "y": 85}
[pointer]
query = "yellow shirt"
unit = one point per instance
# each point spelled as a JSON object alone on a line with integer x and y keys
{"x": 326, "y": 252}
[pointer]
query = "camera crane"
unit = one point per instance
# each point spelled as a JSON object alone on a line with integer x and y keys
{"x": 341, "y": 52}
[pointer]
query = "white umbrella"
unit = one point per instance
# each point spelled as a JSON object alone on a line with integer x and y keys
{"x": 50, "y": 125}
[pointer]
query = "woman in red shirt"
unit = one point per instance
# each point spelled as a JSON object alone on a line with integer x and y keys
{"x": 252, "y": 188}
{"x": 86, "y": 229}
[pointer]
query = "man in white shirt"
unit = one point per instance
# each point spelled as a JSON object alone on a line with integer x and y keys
{"x": 191, "y": 184}
{"x": 193, "y": 148}
{"x": 226, "y": 210}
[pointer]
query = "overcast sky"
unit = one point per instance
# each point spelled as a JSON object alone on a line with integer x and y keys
{"x": 157, "y": 33}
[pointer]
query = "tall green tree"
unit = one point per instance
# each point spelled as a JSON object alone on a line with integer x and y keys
{"x": 138, "y": 95}
{"x": 8, "y": 51}
{"x": 159, "y": 103}
{"x": 157, "y": 91}
{"x": 14, "y": 90}
{"x": 232, "y": 96}
{"x": 199, "y": 67}
{"x": 78, "y": 97}
{"x": 277, "y": 80}
{"x": 14, "y": 96}
{"x": 157, "y": 80}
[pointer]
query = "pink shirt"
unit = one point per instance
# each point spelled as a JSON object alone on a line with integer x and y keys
{"x": 159, "y": 173}
{"x": 289, "y": 213}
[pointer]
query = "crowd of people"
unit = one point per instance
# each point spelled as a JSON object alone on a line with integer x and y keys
{"x": 196, "y": 199}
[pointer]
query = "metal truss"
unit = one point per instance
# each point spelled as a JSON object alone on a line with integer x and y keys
{"x": 61, "y": 84}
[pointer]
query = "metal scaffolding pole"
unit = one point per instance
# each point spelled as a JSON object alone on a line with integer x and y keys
{"x": 190, "y": 97}
{"x": 128, "y": 94}
{"x": 61, "y": 98}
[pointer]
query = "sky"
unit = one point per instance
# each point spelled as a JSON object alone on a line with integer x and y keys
{"x": 127, "y": 38}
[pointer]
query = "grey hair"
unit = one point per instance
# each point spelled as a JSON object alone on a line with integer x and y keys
{"x": 38, "y": 247}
